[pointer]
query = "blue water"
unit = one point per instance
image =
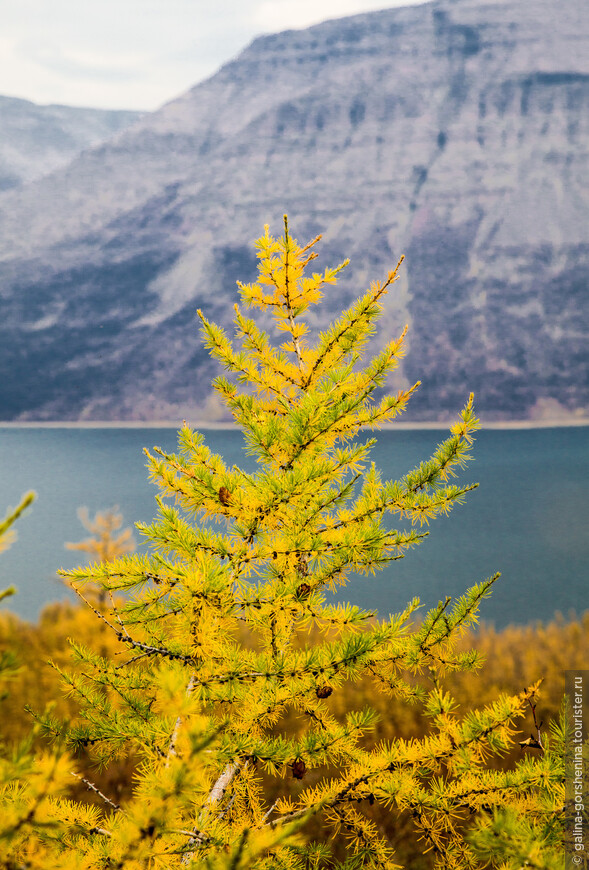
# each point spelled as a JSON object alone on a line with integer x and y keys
{"x": 527, "y": 519}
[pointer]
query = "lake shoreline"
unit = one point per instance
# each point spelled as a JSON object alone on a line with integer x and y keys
{"x": 208, "y": 424}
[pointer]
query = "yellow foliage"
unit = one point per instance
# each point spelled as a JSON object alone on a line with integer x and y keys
{"x": 105, "y": 544}
{"x": 224, "y": 676}
{"x": 8, "y": 534}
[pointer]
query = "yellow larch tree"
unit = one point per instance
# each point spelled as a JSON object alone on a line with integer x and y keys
{"x": 227, "y": 626}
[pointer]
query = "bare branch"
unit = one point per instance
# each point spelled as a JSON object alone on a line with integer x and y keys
{"x": 90, "y": 785}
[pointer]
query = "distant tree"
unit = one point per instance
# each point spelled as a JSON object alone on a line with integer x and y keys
{"x": 106, "y": 541}
{"x": 226, "y": 630}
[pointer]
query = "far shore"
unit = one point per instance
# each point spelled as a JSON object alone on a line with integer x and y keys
{"x": 559, "y": 423}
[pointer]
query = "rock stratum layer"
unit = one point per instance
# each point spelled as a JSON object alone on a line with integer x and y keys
{"x": 456, "y": 133}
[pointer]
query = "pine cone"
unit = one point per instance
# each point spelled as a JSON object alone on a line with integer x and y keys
{"x": 224, "y": 495}
{"x": 299, "y": 768}
{"x": 323, "y": 691}
{"x": 303, "y": 590}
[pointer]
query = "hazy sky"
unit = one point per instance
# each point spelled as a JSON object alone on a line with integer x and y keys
{"x": 137, "y": 54}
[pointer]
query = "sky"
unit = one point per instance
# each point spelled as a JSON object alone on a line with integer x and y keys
{"x": 138, "y": 54}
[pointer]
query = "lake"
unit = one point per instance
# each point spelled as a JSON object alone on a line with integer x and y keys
{"x": 527, "y": 519}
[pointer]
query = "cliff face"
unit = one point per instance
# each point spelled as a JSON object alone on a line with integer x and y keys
{"x": 456, "y": 132}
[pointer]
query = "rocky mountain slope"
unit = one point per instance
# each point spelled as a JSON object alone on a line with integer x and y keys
{"x": 35, "y": 140}
{"x": 456, "y": 132}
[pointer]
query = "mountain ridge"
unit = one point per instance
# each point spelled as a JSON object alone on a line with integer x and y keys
{"x": 453, "y": 132}
{"x": 38, "y": 139}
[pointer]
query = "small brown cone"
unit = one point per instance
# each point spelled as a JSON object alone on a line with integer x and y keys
{"x": 299, "y": 768}
{"x": 303, "y": 590}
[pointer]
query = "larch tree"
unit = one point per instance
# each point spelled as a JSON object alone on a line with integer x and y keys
{"x": 227, "y": 625}
{"x": 106, "y": 542}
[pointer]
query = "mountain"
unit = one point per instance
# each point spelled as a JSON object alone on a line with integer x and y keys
{"x": 455, "y": 132}
{"x": 36, "y": 140}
